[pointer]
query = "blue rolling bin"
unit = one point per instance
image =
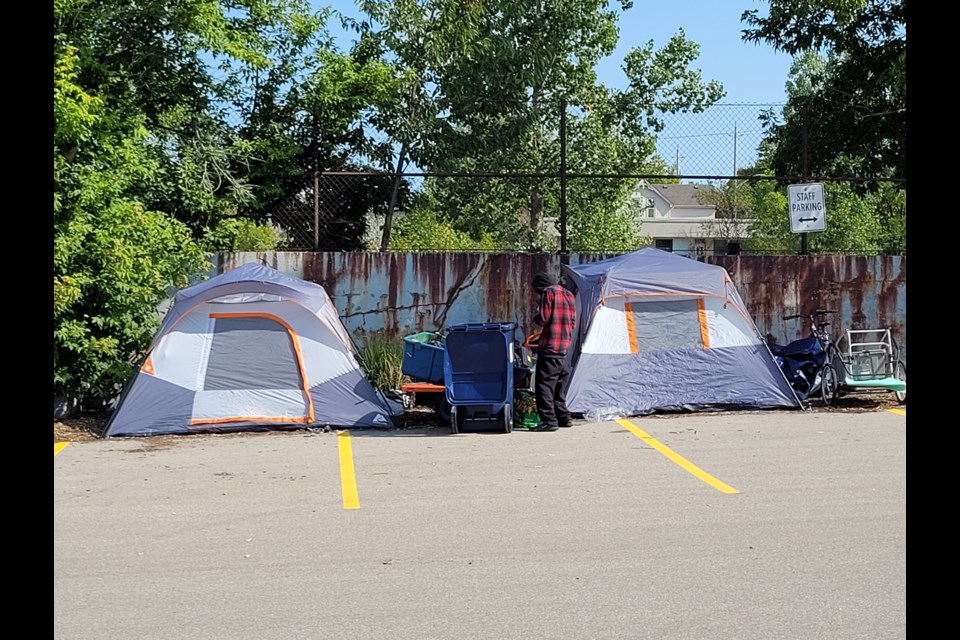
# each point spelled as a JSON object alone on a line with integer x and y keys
{"x": 423, "y": 357}
{"x": 478, "y": 367}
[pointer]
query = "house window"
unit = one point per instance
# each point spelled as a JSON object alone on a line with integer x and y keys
{"x": 650, "y": 210}
{"x": 664, "y": 243}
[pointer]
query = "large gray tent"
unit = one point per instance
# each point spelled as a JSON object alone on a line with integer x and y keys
{"x": 249, "y": 348}
{"x": 662, "y": 332}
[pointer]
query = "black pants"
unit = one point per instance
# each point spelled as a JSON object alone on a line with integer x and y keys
{"x": 550, "y": 388}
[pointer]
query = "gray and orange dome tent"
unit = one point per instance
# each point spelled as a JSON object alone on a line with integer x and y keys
{"x": 251, "y": 348}
{"x": 659, "y": 332}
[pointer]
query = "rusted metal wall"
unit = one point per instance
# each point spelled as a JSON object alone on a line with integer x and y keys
{"x": 867, "y": 292}
{"x": 402, "y": 293}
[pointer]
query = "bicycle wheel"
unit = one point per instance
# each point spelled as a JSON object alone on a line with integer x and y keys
{"x": 900, "y": 373}
{"x": 829, "y": 384}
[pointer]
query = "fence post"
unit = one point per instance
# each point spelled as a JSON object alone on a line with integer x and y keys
{"x": 806, "y": 175}
{"x": 316, "y": 186}
{"x": 316, "y": 205}
{"x": 563, "y": 178}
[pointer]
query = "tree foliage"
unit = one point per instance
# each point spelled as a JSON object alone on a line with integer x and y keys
{"x": 846, "y": 115}
{"x": 138, "y": 172}
{"x": 851, "y": 104}
{"x": 422, "y": 230}
{"x": 856, "y": 223}
{"x": 487, "y": 84}
{"x": 113, "y": 258}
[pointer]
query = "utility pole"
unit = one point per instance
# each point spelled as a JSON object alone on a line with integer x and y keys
{"x": 733, "y": 185}
{"x": 388, "y": 218}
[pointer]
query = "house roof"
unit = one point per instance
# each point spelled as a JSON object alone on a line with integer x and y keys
{"x": 682, "y": 195}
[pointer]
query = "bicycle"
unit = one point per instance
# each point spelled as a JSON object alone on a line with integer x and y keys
{"x": 810, "y": 363}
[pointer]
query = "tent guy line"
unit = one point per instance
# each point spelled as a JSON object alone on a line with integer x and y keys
{"x": 680, "y": 460}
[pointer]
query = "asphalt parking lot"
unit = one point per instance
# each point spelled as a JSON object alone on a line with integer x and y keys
{"x": 743, "y": 526}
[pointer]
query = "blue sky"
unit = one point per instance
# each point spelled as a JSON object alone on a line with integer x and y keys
{"x": 750, "y": 73}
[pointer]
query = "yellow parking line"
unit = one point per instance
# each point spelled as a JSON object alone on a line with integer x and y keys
{"x": 348, "y": 480}
{"x": 680, "y": 460}
{"x": 58, "y": 447}
{"x": 899, "y": 412}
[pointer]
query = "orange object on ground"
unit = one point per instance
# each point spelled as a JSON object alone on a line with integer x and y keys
{"x": 422, "y": 387}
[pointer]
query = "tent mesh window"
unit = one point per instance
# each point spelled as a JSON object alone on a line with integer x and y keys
{"x": 251, "y": 353}
{"x": 663, "y": 326}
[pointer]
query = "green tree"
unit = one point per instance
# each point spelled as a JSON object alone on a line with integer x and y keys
{"x": 161, "y": 77}
{"x": 241, "y": 101}
{"x": 113, "y": 258}
{"x": 486, "y": 85}
{"x": 862, "y": 216}
{"x": 857, "y": 223}
{"x": 242, "y": 234}
{"x": 143, "y": 167}
{"x": 310, "y": 112}
{"x": 853, "y": 104}
{"x": 421, "y": 230}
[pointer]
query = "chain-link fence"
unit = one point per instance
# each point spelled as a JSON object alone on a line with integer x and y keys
{"x": 692, "y": 185}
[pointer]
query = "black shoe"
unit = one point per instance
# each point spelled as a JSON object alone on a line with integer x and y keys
{"x": 544, "y": 428}
{"x": 566, "y": 425}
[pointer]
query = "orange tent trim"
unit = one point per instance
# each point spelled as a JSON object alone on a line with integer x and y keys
{"x": 296, "y": 351}
{"x": 631, "y": 328}
{"x": 702, "y": 316}
{"x": 304, "y": 420}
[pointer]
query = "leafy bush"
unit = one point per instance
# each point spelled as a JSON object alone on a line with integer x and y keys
{"x": 114, "y": 257}
{"x": 422, "y": 230}
{"x": 240, "y": 234}
{"x": 382, "y": 358}
{"x": 607, "y": 231}
{"x": 112, "y": 269}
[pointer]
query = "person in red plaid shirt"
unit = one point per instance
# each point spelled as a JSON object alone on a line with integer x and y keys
{"x": 557, "y": 314}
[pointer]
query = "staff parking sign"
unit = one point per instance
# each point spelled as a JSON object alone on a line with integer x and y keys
{"x": 807, "y": 209}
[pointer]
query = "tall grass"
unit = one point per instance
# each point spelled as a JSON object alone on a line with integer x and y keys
{"x": 382, "y": 359}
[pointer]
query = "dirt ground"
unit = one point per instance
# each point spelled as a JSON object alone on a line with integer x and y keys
{"x": 92, "y": 426}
